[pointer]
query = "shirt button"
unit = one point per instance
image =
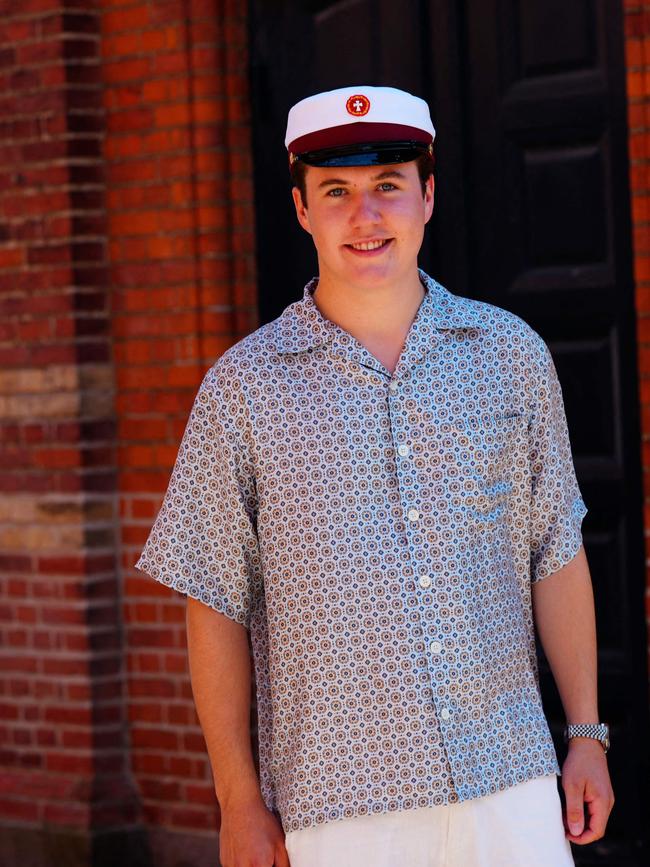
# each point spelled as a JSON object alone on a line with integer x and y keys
{"x": 435, "y": 647}
{"x": 403, "y": 449}
{"x": 413, "y": 514}
{"x": 392, "y": 385}
{"x": 425, "y": 581}
{"x": 445, "y": 713}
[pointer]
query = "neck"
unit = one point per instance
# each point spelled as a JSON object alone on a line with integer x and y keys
{"x": 371, "y": 313}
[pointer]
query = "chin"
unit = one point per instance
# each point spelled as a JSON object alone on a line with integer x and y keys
{"x": 372, "y": 274}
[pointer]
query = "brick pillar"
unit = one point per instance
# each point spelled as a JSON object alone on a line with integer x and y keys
{"x": 180, "y": 223}
{"x": 637, "y": 58}
{"x": 126, "y": 268}
{"x": 64, "y": 761}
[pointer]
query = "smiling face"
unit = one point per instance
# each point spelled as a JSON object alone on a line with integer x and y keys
{"x": 367, "y": 222}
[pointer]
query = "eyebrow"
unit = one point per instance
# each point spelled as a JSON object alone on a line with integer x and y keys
{"x": 338, "y": 182}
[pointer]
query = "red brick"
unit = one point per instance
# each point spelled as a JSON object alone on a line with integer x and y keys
{"x": 158, "y": 789}
{"x": 149, "y": 763}
{"x": 155, "y": 739}
{"x": 20, "y": 810}
{"x": 181, "y": 766}
{"x": 188, "y": 817}
{"x": 67, "y": 814}
{"x": 68, "y": 762}
{"x": 146, "y": 713}
{"x": 75, "y": 715}
{"x": 193, "y": 742}
{"x": 176, "y": 663}
{"x": 179, "y": 715}
{"x": 143, "y": 508}
{"x": 152, "y": 688}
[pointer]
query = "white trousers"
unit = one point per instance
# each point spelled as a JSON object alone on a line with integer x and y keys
{"x": 517, "y": 827}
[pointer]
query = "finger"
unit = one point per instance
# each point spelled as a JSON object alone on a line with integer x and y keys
{"x": 575, "y": 810}
{"x": 596, "y": 824}
{"x": 584, "y": 838}
{"x": 598, "y": 811}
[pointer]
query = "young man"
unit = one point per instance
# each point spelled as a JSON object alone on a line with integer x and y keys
{"x": 378, "y": 486}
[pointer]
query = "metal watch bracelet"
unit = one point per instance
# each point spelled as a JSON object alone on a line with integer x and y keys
{"x": 599, "y": 731}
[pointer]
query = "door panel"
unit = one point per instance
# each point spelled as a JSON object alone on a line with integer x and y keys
{"x": 549, "y": 238}
{"x": 532, "y": 214}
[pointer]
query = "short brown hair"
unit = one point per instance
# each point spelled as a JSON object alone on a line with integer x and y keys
{"x": 425, "y": 163}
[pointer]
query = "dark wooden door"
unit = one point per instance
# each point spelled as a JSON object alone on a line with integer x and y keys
{"x": 532, "y": 214}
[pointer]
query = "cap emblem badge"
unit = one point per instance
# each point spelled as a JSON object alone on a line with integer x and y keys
{"x": 358, "y": 105}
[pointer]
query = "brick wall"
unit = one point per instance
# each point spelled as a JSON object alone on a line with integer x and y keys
{"x": 126, "y": 268}
{"x": 637, "y": 58}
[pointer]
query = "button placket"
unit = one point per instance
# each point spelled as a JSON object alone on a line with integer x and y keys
{"x": 407, "y": 478}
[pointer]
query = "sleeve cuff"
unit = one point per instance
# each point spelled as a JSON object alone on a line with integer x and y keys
{"x": 561, "y": 544}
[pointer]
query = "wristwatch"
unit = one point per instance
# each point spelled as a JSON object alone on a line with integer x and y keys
{"x": 599, "y": 731}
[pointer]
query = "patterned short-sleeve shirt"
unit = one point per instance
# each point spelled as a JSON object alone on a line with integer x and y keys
{"x": 378, "y": 534}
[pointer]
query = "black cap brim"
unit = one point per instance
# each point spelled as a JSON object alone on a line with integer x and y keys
{"x": 367, "y": 154}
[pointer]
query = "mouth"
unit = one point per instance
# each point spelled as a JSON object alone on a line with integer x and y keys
{"x": 370, "y": 248}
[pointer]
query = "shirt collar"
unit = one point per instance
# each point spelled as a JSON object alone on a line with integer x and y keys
{"x": 302, "y": 326}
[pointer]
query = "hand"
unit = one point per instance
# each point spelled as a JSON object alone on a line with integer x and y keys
{"x": 251, "y": 836}
{"x": 585, "y": 780}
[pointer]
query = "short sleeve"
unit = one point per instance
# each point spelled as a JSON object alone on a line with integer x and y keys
{"x": 204, "y": 542}
{"x": 557, "y": 508}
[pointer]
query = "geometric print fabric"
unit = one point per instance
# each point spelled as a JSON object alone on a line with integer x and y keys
{"x": 378, "y": 534}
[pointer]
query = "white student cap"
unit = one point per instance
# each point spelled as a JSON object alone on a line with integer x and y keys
{"x": 359, "y": 126}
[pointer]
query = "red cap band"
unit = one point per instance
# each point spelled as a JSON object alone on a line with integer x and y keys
{"x": 357, "y": 133}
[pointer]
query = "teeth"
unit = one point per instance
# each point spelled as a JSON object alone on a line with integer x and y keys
{"x": 368, "y": 245}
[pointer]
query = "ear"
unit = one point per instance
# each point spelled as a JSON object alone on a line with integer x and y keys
{"x": 428, "y": 198}
{"x": 301, "y": 210}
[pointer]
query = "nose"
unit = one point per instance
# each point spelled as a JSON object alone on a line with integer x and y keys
{"x": 365, "y": 210}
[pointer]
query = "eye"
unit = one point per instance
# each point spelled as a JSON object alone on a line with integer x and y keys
{"x": 387, "y": 186}
{"x": 334, "y": 192}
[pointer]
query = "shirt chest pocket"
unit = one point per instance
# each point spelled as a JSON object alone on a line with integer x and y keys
{"x": 482, "y": 457}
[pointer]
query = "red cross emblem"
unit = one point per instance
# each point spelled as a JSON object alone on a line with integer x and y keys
{"x": 358, "y": 105}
